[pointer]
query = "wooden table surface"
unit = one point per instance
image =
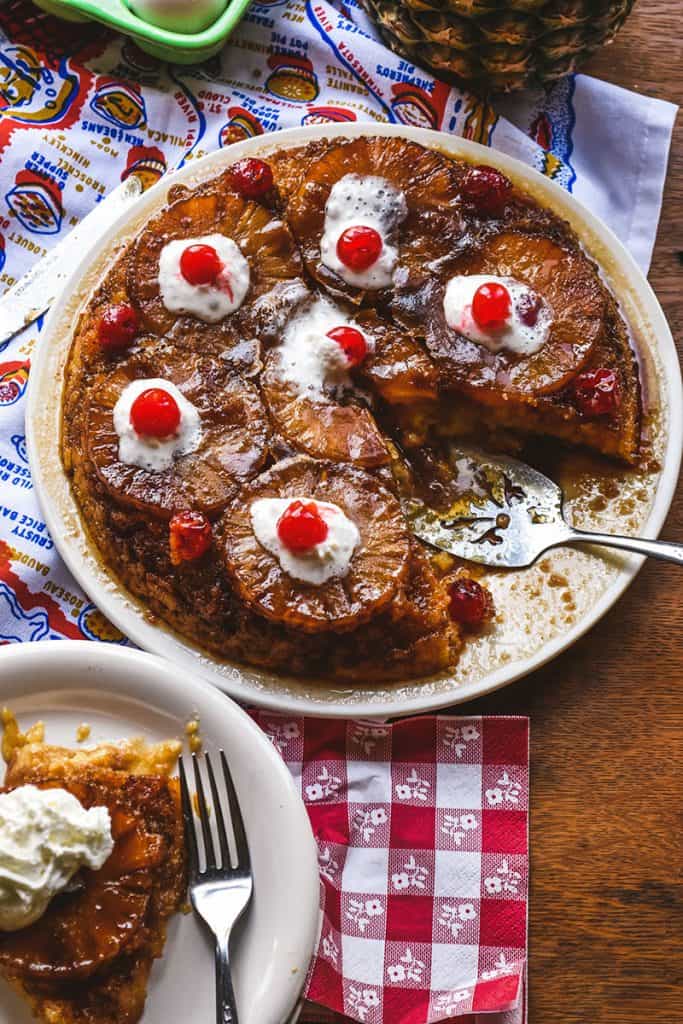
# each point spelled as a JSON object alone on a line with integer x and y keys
{"x": 606, "y": 929}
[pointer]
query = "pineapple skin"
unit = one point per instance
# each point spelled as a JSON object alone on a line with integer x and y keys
{"x": 496, "y": 46}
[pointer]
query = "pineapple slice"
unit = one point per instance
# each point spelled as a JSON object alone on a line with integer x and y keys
{"x": 432, "y": 231}
{"x": 264, "y": 240}
{"x": 378, "y": 567}
{"x": 290, "y": 167}
{"x": 617, "y": 435}
{"x": 224, "y": 341}
{"x": 105, "y": 915}
{"x": 323, "y": 429}
{"x": 567, "y": 282}
{"x": 233, "y": 445}
{"x": 399, "y": 369}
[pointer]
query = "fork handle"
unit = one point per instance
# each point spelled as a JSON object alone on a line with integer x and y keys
{"x": 226, "y": 1007}
{"x": 653, "y": 548}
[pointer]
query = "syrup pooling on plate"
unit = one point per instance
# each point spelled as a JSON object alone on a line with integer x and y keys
{"x": 211, "y": 295}
{"x": 523, "y": 326}
{"x": 150, "y": 452}
{"x": 363, "y": 259}
{"x": 315, "y": 563}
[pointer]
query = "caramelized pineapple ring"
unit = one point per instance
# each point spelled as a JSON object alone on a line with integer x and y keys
{"x": 429, "y": 234}
{"x": 398, "y": 370}
{"x": 378, "y": 566}
{"x": 105, "y": 916}
{"x": 326, "y": 430}
{"x": 565, "y": 280}
{"x": 263, "y": 239}
{"x": 232, "y": 445}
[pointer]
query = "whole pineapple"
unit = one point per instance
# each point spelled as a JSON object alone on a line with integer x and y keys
{"x": 498, "y": 45}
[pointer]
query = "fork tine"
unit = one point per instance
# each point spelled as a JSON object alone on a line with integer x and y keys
{"x": 220, "y": 820}
{"x": 241, "y": 844}
{"x": 204, "y": 817}
{"x": 188, "y": 820}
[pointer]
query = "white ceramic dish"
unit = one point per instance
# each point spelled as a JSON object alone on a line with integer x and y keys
{"x": 532, "y": 636}
{"x": 124, "y": 693}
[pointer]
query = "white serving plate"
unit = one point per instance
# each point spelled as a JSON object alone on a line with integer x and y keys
{"x": 123, "y": 693}
{"x": 519, "y": 655}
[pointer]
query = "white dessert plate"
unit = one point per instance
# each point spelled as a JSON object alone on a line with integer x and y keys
{"x": 538, "y": 618}
{"x": 122, "y": 693}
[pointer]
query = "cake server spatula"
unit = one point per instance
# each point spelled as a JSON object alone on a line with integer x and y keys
{"x": 508, "y": 515}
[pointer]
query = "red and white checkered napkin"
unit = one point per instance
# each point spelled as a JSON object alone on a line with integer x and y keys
{"x": 422, "y": 838}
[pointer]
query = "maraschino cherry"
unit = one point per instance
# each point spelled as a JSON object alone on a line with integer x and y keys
{"x": 491, "y": 305}
{"x": 352, "y": 343}
{"x": 155, "y": 413}
{"x": 468, "y": 602}
{"x": 486, "y": 189}
{"x": 200, "y": 264}
{"x": 190, "y": 536}
{"x": 118, "y": 327}
{"x": 252, "y": 178}
{"x": 301, "y": 527}
{"x": 597, "y": 393}
{"x": 358, "y": 247}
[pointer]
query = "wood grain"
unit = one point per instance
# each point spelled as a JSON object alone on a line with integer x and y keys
{"x": 606, "y": 929}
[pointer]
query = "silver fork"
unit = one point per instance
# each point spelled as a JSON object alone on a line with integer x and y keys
{"x": 220, "y": 893}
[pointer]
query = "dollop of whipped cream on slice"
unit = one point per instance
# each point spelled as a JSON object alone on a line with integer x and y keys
{"x": 208, "y": 302}
{"x": 312, "y": 362}
{"x": 368, "y": 201}
{"x": 46, "y": 836}
{"x": 330, "y": 559}
{"x": 514, "y": 334}
{"x": 155, "y": 454}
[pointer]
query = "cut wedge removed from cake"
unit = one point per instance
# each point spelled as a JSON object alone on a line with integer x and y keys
{"x": 87, "y": 959}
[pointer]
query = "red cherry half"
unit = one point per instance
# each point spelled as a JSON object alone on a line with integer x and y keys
{"x": 486, "y": 189}
{"x": 491, "y": 305}
{"x": 189, "y": 536}
{"x": 359, "y": 247}
{"x": 155, "y": 413}
{"x": 200, "y": 264}
{"x": 301, "y": 527}
{"x": 252, "y": 178}
{"x": 597, "y": 393}
{"x": 118, "y": 327}
{"x": 468, "y": 602}
{"x": 352, "y": 342}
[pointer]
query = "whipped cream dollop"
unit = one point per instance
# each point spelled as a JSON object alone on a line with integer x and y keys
{"x": 208, "y": 302}
{"x": 367, "y": 201}
{"x": 329, "y": 559}
{"x": 310, "y": 361}
{"x": 514, "y": 334}
{"x": 155, "y": 454}
{"x": 46, "y": 836}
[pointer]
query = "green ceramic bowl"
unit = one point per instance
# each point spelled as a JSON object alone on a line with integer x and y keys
{"x": 176, "y": 47}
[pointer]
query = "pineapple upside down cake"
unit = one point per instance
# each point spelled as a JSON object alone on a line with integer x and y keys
{"x": 92, "y": 869}
{"x": 282, "y": 353}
